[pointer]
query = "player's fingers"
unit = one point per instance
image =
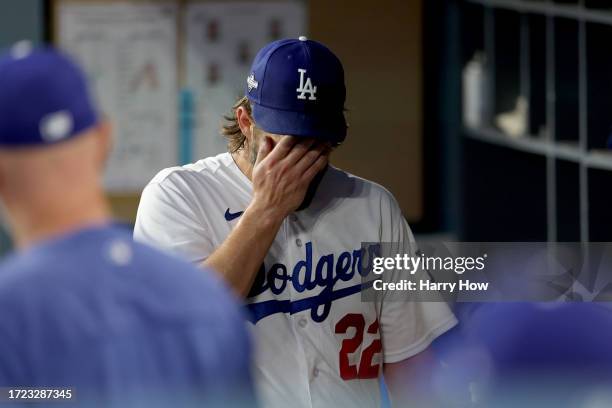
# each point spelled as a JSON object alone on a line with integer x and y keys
{"x": 282, "y": 148}
{"x": 264, "y": 150}
{"x": 298, "y": 151}
{"x": 321, "y": 162}
{"x": 310, "y": 157}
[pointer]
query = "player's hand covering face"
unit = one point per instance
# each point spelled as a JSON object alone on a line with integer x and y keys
{"x": 285, "y": 168}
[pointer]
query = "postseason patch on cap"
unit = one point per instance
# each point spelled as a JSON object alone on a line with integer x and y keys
{"x": 44, "y": 98}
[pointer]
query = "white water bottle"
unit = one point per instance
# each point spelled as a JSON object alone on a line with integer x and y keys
{"x": 475, "y": 89}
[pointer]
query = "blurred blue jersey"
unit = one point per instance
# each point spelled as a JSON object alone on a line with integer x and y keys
{"x": 528, "y": 355}
{"x": 120, "y": 323}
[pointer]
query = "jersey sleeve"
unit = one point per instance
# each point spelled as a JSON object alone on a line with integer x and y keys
{"x": 407, "y": 326}
{"x": 167, "y": 220}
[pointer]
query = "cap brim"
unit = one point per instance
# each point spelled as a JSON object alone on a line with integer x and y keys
{"x": 324, "y": 126}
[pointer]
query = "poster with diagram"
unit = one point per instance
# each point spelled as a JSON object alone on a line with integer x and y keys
{"x": 128, "y": 50}
{"x": 221, "y": 40}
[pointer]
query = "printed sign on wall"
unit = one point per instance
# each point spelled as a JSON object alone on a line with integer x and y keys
{"x": 222, "y": 39}
{"x": 129, "y": 53}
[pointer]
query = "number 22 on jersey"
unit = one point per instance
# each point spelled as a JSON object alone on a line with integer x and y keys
{"x": 362, "y": 369}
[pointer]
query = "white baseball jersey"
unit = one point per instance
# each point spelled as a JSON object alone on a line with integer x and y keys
{"x": 316, "y": 343}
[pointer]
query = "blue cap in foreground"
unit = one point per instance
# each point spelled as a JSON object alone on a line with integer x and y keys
{"x": 296, "y": 87}
{"x": 43, "y": 97}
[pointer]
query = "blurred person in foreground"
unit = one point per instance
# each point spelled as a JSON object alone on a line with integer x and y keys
{"x": 82, "y": 306}
{"x": 531, "y": 355}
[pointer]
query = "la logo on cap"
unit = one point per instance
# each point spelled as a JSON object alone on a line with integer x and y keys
{"x": 306, "y": 87}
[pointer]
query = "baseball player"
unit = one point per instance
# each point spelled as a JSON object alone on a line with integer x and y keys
{"x": 285, "y": 229}
{"x": 85, "y": 313}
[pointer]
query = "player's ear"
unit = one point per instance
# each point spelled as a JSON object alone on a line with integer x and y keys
{"x": 3, "y": 171}
{"x": 105, "y": 140}
{"x": 2, "y": 182}
{"x": 245, "y": 122}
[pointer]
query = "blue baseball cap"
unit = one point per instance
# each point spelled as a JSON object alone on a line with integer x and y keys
{"x": 43, "y": 97}
{"x": 296, "y": 87}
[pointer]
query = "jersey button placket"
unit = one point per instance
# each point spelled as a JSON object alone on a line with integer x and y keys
{"x": 315, "y": 372}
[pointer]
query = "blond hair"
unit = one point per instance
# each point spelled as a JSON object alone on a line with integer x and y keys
{"x": 231, "y": 129}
